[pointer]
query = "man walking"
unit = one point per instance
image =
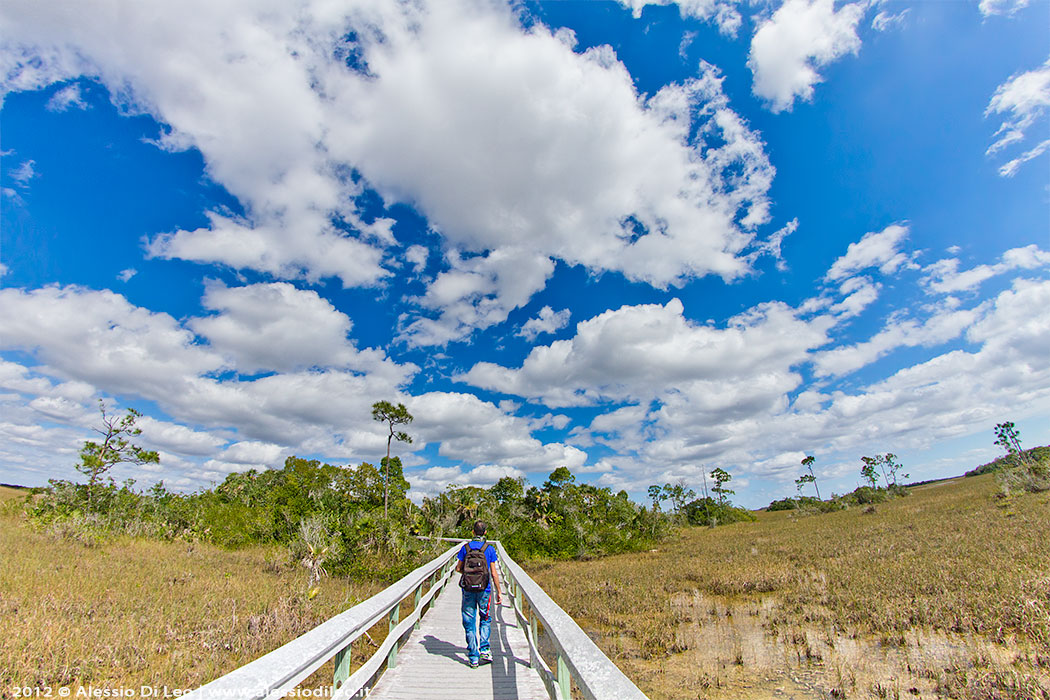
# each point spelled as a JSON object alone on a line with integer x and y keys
{"x": 477, "y": 563}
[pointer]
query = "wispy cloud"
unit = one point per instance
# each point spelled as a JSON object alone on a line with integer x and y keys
{"x": 67, "y": 98}
{"x": 1001, "y": 7}
{"x": 1023, "y": 100}
{"x": 945, "y": 277}
{"x": 877, "y": 249}
{"x": 25, "y": 172}
{"x": 884, "y": 21}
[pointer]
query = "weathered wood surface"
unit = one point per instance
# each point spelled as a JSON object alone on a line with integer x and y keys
{"x": 433, "y": 663}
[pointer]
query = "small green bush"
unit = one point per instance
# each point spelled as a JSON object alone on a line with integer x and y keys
{"x": 708, "y": 511}
{"x": 783, "y": 504}
{"x": 866, "y": 495}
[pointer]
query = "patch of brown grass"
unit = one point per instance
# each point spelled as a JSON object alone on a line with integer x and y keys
{"x": 135, "y": 612}
{"x": 7, "y": 493}
{"x": 949, "y": 561}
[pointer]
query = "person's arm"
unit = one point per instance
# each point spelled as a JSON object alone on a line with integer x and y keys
{"x": 462, "y": 555}
{"x": 494, "y": 570}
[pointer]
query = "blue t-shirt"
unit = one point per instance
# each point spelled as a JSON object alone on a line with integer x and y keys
{"x": 490, "y": 556}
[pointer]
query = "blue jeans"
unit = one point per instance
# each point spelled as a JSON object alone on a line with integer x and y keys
{"x": 476, "y": 604}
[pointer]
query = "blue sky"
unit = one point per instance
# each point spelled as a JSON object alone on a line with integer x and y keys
{"x": 638, "y": 239}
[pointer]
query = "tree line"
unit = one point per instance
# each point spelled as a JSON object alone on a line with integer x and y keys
{"x": 340, "y": 519}
{"x": 358, "y": 520}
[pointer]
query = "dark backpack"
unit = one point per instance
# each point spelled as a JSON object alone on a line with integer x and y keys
{"x": 475, "y": 569}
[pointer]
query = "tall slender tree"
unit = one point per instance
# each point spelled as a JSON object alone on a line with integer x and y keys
{"x": 392, "y": 415}
{"x": 1009, "y": 438}
{"x": 807, "y": 462}
{"x": 891, "y": 466}
{"x": 98, "y": 458}
{"x": 656, "y": 494}
{"x": 721, "y": 476}
{"x": 868, "y": 471}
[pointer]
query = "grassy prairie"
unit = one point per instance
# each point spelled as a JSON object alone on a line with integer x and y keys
{"x": 135, "y": 612}
{"x": 944, "y": 593}
{"x": 7, "y": 493}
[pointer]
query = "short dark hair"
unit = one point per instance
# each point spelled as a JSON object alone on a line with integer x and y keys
{"x": 479, "y": 528}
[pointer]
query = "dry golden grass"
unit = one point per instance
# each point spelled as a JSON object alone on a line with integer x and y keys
{"x": 806, "y": 602}
{"x": 136, "y": 612}
{"x": 945, "y": 593}
{"x": 7, "y": 493}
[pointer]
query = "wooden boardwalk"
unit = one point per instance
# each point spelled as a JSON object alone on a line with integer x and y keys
{"x": 433, "y": 663}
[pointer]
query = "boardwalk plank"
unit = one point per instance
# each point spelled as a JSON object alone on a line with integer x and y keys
{"x": 433, "y": 663}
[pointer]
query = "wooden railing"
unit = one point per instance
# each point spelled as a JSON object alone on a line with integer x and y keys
{"x": 579, "y": 662}
{"x": 274, "y": 675}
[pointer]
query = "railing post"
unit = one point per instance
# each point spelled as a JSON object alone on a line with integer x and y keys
{"x": 395, "y": 617}
{"x": 564, "y": 680}
{"x": 342, "y": 667}
{"x": 430, "y": 586}
{"x": 419, "y": 596}
{"x": 533, "y": 631}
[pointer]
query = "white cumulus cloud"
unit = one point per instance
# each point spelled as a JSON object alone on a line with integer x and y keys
{"x": 478, "y": 432}
{"x": 724, "y": 13}
{"x": 801, "y": 37}
{"x": 278, "y": 327}
{"x": 100, "y": 338}
{"x": 637, "y": 353}
{"x": 518, "y": 150}
{"x": 566, "y": 160}
{"x": 548, "y": 321}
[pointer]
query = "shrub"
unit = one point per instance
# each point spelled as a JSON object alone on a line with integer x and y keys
{"x": 809, "y": 504}
{"x": 1018, "y": 479}
{"x": 89, "y": 529}
{"x": 707, "y": 511}
{"x": 866, "y": 495}
{"x": 1034, "y": 454}
{"x": 783, "y": 504}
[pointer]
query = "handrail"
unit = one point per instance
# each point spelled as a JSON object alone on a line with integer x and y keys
{"x": 272, "y": 676}
{"x": 579, "y": 658}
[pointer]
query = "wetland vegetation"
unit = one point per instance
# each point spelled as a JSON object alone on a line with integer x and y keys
{"x": 945, "y": 593}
